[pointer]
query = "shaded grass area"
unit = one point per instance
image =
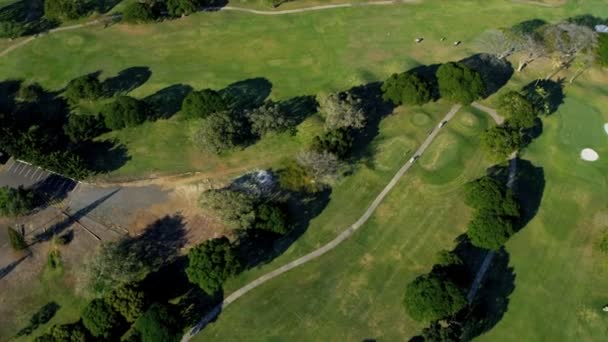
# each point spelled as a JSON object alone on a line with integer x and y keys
{"x": 299, "y": 54}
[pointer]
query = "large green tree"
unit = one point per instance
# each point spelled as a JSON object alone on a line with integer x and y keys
{"x": 338, "y": 142}
{"x": 85, "y": 87}
{"x": 406, "y": 88}
{"x": 129, "y": 300}
{"x": 158, "y": 324}
{"x": 83, "y": 127}
{"x": 137, "y": 12}
{"x": 271, "y": 217}
{"x": 459, "y": 83}
{"x": 235, "y": 208}
{"x": 518, "y": 110}
{"x": 431, "y": 297}
{"x": 488, "y": 194}
{"x": 219, "y": 132}
{"x": 269, "y": 118}
{"x": 201, "y": 104}
{"x": 489, "y": 230}
{"x": 74, "y": 332}
{"x": 342, "y": 110}
{"x": 100, "y": 319}
{"x": 125, "y": 111}
{"x": 211, "y": 263}
{"x": 501, "y": 141}
{"x": 63, "y": 10}
{"x": 177, "y": 8}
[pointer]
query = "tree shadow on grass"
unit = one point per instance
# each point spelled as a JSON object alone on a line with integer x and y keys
{"x": 494, "y": 72}
{"x": 168, "y": 101}
{"x": 492, "y": 300}
{"x": 126, "y": 80}
{"x": 299, "y": 107}
{"x": 105, "y": 155}
{"x": 545, "y": 95}
{"x": 528, "y": 187}
{"x": 375, "y": 109}
{"x": 42, "y": 316}
{"x": 29, "y": 13}
{"x": 528, "y": 26}
{"x": 257, "y": 247}
{"x": 102, "y": 6}
{"x": 8, "y": 91}
{"x": 247, "y": 94}
{"x": 429, "y": 74}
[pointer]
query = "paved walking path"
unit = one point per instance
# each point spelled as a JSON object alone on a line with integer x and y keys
{"x": 492, "y": 112}
{"x": 329, "y": 246}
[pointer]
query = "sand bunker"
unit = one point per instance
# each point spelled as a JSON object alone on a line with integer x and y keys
{"x": 589, "y": 155}
{"x": 606, "y": 128}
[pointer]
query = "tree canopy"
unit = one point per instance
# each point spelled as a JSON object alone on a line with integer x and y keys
{"x": 406, "y": 88}
{"x": 219, "y": 132}
{"x": 518, "y": 110}
{"x": 487, "y": 194}
{"x": 129, "y": 300}
{"x": 100, "y": 319}
{"x": 431, "y": 297}
{"x": 269, "y": 118}
{"x": 74, "y": 332}
{"x": 211, "y": 263}
{"x": 488, "y": 230}
{"x": 63, "y": 10}
{"x": 138, "y": 12}
{"x": 15, "y": 202}
{"x": 158, "y": 324}
{"x": 125, "y": 111}
{"x": 201, "y": 104}
{"x": 85, "y": 87}
{"x": 501, "y": 141}
{"x": 338, "y": 142}
{"x": 235, "y": 208}
{"x": 83, "y": 127}
{"x": 342, "y": 110}
{"x": 459, "y": 83}
{"x": 271, "y": 217}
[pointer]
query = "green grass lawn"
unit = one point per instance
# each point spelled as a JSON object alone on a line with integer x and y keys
{"x": 300, "y": 54}
{"x": 355, "y": 291}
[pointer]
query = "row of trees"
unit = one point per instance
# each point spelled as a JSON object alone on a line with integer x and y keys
{"x": 573, "y": 41}
{"x": 151, "y": 10}
{"x": 455, "y": 81}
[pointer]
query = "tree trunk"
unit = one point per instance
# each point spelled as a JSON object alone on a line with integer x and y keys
{"x": 578, "y": 73}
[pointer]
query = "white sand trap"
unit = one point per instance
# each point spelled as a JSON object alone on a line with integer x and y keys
{"x": 589, "y": 155}
{"x": 606, "y": 128}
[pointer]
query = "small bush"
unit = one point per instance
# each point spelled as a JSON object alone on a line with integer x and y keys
{"x": 54, "y": 259}
{"x": 16, "y": 240}
{"x": 338, "y": 142}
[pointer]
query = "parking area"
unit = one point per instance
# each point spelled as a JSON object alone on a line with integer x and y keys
{"x": 16, "y": 173}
